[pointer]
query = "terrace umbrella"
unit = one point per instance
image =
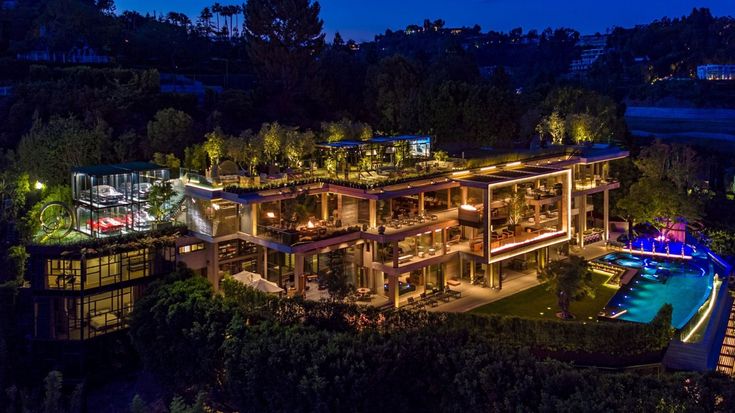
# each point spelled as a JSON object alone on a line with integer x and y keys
{"x": 266, "y": 286}
{"x": 246, "y": 277}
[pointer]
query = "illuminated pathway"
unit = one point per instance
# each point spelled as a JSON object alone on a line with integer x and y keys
{"x": 726, "y": 363}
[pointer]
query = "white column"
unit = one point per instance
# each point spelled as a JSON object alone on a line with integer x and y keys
{"x": 298, "y": 273}
{"x": 373, "y": 213}
{"x": 606, "y": 214}
{"x": 393, "y": 296}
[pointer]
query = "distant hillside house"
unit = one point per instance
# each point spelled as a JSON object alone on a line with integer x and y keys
{"x": 77, "y": 55}
{"x": 593, "y": 46}
{"x": 173, "y": 83}
{"x": 716, "y": 72}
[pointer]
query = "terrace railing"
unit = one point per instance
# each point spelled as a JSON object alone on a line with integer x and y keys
{"x": 694, "y": 330}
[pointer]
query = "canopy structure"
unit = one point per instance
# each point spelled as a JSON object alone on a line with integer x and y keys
{"x": 266, "y": 286}
{"x": 246, "y": 277}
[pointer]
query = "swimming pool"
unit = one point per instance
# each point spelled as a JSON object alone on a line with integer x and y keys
{"x": 685, "y": 284}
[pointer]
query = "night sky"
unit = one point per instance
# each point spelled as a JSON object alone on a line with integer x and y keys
{"x": 362, "y": 19}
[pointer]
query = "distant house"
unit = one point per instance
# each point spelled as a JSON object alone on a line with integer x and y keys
{"x": 716, "y": 72}
{"x": 77, "y": 55}
{"x": 173, "y": 83}
{"x": 593, "y": 46}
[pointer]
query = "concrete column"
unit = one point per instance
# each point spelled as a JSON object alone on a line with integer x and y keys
{"x": 298, "y": 273}
{"x": 444, "y": 241}
{"x": 373, "y": 213}
{"x": 393, "y": 297}
{"x": 265, "y": 263}
{"x": 537, "y": 214}
{"x": 325, "y": 206}
{"x": 213, "y": 267}
{"x": 254, "y": 218}
{"x": 606, "y": 214}
{"x": 472, "y": 272}
{"x": 421, "y": 203}
{"x": 500, "y": 275}
{"x": 339, "y": 206}
{"x": 581, "y": 219}
{"x": 394, "y": 246}
{"x": 259, "y": 262}
{"x": 486, "y": 222}
{"x": 449, "y": 198}
{"x": 463, "y": 195}
{"x": 378, "y": 282}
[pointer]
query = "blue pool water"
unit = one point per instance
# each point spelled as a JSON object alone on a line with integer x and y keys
{"x": 685, "y": 284}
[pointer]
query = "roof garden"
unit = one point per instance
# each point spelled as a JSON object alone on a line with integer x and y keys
{"x": 388, "y": 161}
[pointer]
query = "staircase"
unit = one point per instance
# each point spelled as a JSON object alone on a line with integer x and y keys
{"x": 726, "y": 362}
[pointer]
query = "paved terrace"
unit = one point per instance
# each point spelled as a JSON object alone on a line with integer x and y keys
{"x": 474, "y": 296}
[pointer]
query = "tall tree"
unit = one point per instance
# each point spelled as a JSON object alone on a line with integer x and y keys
{"x": 284, "y": 38}
{"x": 569, "y": 279}
{"x": 50, "y": 150}
{"x": 170, "y": 131}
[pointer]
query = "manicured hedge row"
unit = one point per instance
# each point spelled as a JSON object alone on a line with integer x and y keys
{"x": 612, "y": 338}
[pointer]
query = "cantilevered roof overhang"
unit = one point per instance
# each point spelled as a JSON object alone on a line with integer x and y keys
{"x": 503, "y": 176}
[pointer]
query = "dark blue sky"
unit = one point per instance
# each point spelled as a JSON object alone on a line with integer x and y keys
{"x": 362, "y": 19}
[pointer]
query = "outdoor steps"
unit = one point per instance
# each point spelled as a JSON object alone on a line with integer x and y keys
{"x": 702, "y": 356}
{"x": 726, "y": 361}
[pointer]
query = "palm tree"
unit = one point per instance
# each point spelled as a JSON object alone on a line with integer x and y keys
{"x": 217, "y": 9}
{"x": 237, "y": 10}
{"x": 206, "y": 18}
{"x": 569, "y": 279}
{"x": 227, "y": 13}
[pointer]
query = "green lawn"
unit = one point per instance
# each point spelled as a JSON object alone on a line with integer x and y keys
{"x": 537, "y": 302}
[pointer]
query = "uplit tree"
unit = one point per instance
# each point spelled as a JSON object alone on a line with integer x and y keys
{"x": 215, "y": 146}
{"x": 553, "y": 126}
{"x": 570, "y": 280}
{"x": 159, "y": 200}
{"x": 516, "y": 203}
{"x": 582, "y": 127}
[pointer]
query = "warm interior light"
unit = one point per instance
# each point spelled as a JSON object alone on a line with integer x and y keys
{"x": 468, "y": 207}
{"x": 310, "y": 224}
{"x": 488, "y": 168}
{"x": 513, "y": 164}
{"x": 270, "y": 214}
{"x": 460, "y": 172}
{"x": 216, "y": 207}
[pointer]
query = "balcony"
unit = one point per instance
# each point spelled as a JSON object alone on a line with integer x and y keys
{"x": 593, "y": 185}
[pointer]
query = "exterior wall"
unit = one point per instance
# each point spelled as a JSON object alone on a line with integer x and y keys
{"x": 80, "y": 296}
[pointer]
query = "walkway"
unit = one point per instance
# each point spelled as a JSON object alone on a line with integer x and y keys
{"x": 726, "y": 362}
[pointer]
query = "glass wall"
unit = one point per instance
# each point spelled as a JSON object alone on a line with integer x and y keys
{"x": 100, "y": 271}
{"x": 213, "y": 218}
{"x": 526, "y": 212}
{"x": 436, "y": 200}
{"x": 108, "y": 311}
{"x": 77, "y": 318}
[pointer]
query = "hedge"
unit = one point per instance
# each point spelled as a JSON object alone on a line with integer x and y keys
{"x": 614, "y": 338}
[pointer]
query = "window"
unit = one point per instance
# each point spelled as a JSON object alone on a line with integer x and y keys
{"x": 185, "y": 249}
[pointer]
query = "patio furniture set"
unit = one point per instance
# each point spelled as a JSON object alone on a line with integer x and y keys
{"x": 432, "y": 298}
{"x": 411, "y": 219}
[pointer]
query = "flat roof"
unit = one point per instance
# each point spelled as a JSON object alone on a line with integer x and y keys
{"x": 343, "y": 144}
{"x": 374, "y": 139}
{"x": 115, "y": 169}
{"x": 506, "y": 175}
